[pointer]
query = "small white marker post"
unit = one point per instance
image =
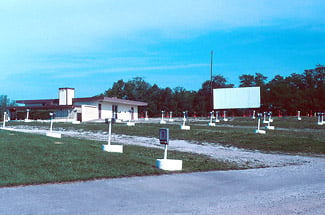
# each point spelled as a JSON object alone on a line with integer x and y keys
{"x": 171, "y": 117}
{"x": 298, "y": 115}
{"x": 224, "y": 116}
{"x": 270, "y": 116}
{"x": 253, "y": 117}
{"x": 27, "y": 116}
{"x": 211, "y": 123}
{"x": 270, "y": 127}
{"x": 4, "y": 120}
{"x": 167, "y": 164}
{"x": 109, "y": 147}
{"x": 76, "y": 122}
{"x": 320, "y": 118}
{"x": 50, "y": 133}
{"x": 185, "y": 127}
{"x": 259, "y": 131}
{"x": 129, "y": 123}
{"x": 264, "y": 120}
{"x": 51, "y": 123}
{"x": 162, "y": 121}
{"x": 217, "y": 116}
{"x": 146, "y": 117}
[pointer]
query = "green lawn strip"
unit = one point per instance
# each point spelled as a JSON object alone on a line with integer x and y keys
{"x": 35, "y": 159}
{"x": 286, "y": 140}
{"x": 281, "y": 122}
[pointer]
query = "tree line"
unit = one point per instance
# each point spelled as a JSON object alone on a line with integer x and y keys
{"x": 286, "y": 95}
{"x": 4, "y": 103}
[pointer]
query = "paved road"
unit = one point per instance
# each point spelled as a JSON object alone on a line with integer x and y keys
{"x": 278, "y": 190}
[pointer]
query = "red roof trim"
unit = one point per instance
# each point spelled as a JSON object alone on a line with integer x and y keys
{"x": 124, "y": 101}
{"x": 39, "y": 101}
{"x": 87, "y": 99}
{"x": 48, "y": 107}
{"x": 66, "y": 88}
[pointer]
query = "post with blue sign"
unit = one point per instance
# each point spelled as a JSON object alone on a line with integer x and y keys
{"x": 167, "y": 164}
{"x": 164, "y": 139}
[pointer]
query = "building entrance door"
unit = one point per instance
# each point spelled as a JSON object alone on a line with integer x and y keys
{"x": 114, "y": 111}
{"x": 132, "y": 113}
{"x": 99, "y": 111}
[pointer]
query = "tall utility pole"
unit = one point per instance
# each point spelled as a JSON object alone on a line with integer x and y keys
{"x": 211, "y": 90}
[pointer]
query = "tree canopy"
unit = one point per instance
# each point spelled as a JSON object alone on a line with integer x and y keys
{"x": 4, "y": 103}
{"x": 304, "y": 92}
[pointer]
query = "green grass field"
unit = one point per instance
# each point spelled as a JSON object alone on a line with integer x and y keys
{"x": 35, "y": 159}
{"x": 289, "y": 136}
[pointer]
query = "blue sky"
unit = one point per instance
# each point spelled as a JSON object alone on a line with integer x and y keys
{"x": 90, "y": 44}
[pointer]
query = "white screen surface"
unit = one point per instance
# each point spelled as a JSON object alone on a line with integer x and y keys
{"x": 230, "y": 98}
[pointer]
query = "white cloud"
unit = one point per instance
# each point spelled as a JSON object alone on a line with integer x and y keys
{"x": 92, "y": 72}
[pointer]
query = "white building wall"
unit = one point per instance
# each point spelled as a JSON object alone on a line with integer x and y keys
{"x": 123, "y": 111}
{"x": 89, "y": 112}
{"x": 125, "y": 114}
{"x": 136, "y": 113}
{"x": 106, "y": 110}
